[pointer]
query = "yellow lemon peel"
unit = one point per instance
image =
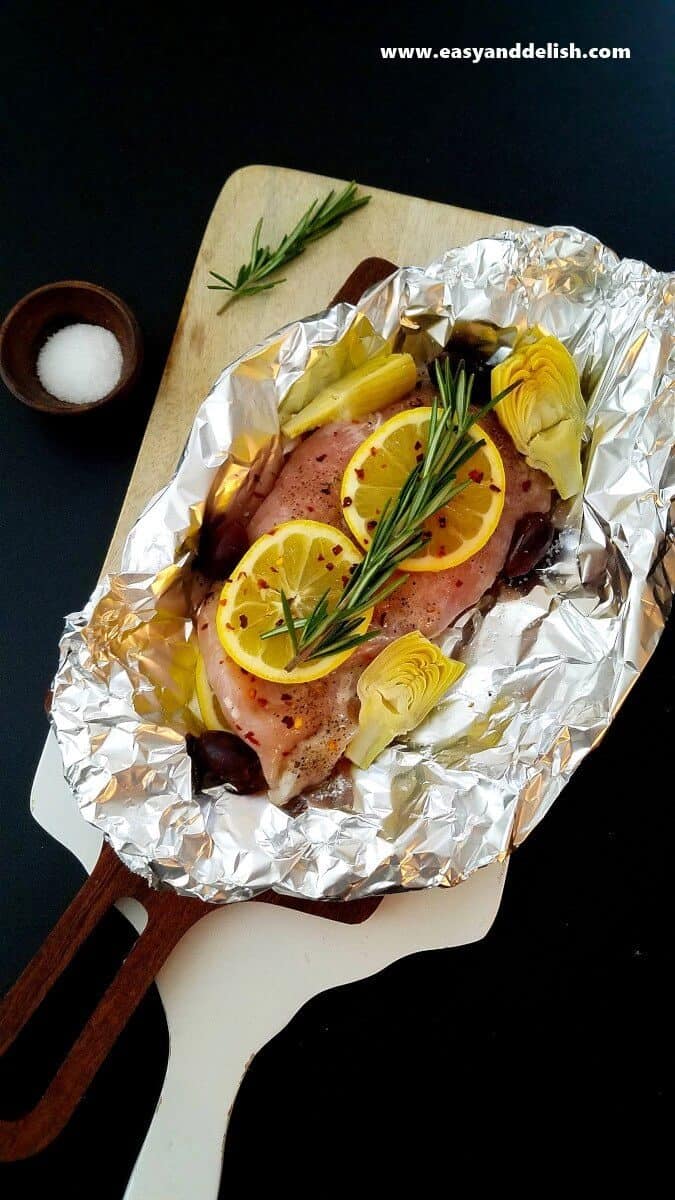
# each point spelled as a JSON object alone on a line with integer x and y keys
{"x": 305, "y": 560}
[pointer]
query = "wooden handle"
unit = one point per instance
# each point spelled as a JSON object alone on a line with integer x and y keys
{"x": 368, "y": 273}
{"x": 169, "y": 917}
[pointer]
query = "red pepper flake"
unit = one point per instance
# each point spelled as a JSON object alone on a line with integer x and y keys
{"x": 347, "y": 502}
{"x": 440, "y": 553}
{"x": 330, "y": 566}
{"x": 418, "y": 445}
{"x": 238, "y": 727}
{"x": 250, "y": 737}
{"x": 526, "y": 485}
{"x": 287, "y": 721}
{"x": 320, "y": 558}
{"x": 344, "y": 580}
{"x": 373, "y": 450}
{"x": 311, "y": 508}
{"x": 243, "y": 620}
{"x": 262, "y": 702}
{"x": 285, "y": 753}
{"x": 337, "y": 550}
{"x": 476, "y": 475}
{"x": 371, "y": 525}
{"x": 321, "y": 458}
{"x": 205, "y": 625}
{"x": 352, "y": 568}
{"x": 262, "y": 584}
{"x": 359, "y": 472}
{"x": 459, "y": 583}
{"x": 325, "y": 491}
{"x": 442, "y": 521}
{"x": 419, "y": 458}
{"x": 241, "y": 575}
{"x": 286, "y": 696}
{"x": 279, "y": 622}
{"x": 494, "y": 488}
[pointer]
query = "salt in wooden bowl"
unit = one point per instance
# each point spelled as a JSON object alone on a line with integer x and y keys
{"x": 46, "y": 310}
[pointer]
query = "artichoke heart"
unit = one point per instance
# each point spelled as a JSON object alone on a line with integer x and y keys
{"x": 397, "y": 691}
{"x": 376, "y": 383}
{"x": 545, "y": 412}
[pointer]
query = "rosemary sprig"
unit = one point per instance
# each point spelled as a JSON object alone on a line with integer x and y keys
{"x": 399, "y": 533}
{"x": 320, "y": 219}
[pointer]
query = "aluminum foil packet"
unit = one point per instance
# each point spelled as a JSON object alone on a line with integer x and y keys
{"x": 548, "y": 666}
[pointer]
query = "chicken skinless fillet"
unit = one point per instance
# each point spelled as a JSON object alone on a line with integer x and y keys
{"x": 300, "y": 732}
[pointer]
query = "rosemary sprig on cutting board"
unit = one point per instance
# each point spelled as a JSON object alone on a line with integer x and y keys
{"x": 316, "y": 222}
{"x": 399, "y": 533}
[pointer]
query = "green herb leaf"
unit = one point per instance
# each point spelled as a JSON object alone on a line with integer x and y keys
{"x": 315, "y": 223}
{"x": 290, "y": 623}
{"x": 399, "y": 533}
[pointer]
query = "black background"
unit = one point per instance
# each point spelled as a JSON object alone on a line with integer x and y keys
{"x": 119, "y": 125}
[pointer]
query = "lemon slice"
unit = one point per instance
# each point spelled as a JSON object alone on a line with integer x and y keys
{"x": 211, "y": 712}
{"x": 305, "y": 559}
{"x": 379, "y": 468}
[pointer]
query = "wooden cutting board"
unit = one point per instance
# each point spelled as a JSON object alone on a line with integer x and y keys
{"x": 182, "y": 1154}
{"x": 403, "y": 229}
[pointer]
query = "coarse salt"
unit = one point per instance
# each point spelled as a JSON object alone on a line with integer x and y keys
{"x": 80, "y": 363}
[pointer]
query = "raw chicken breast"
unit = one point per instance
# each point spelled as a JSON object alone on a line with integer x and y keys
{"x": 300, "y": 732}
{"x": 430, "y": 601}
{"x": 309, "y": 484}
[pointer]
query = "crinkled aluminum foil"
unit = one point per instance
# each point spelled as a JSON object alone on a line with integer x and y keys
{"x": 547, "y": 668}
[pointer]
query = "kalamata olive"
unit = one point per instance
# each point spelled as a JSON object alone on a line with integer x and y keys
{"x": 222, "y": 758}
{"x": 532, "y": 538}
{"x": 222, "y": 542}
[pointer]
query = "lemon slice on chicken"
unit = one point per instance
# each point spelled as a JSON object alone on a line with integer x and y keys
{"x": 379, "y": 468}
{"x": 304, "y": 559}
{"x": 208, "y": 706}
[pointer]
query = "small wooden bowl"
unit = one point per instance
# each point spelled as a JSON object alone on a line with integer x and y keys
{"x": 41, "y": 313}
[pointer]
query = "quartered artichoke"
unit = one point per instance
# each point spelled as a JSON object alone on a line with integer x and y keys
{"x": 545, "y": 413}
{"x": 397, "y": 691}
